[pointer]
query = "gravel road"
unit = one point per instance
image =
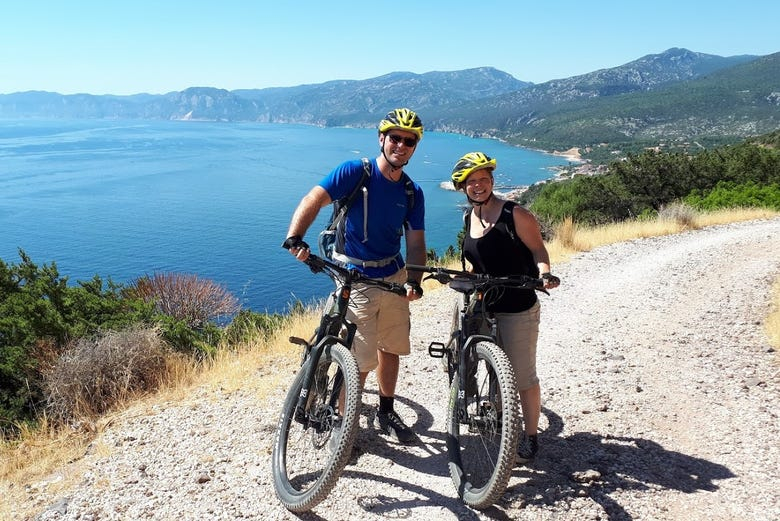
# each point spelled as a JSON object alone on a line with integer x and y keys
{"x": 660, "y": 402}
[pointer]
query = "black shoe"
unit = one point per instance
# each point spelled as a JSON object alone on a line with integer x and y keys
{"x": 528, "y": 447}
{"x": 392, "y": 424}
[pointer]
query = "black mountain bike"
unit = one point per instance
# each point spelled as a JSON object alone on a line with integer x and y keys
{"x": 483, "y": 413}
{"x": 320, "y": 414}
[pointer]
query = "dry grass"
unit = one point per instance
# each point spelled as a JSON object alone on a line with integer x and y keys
{"x": 772, "y": 323}
{"x": 39, "y": 455}
{"x": 38, "y": 461}
{"x": 570, "y": 238}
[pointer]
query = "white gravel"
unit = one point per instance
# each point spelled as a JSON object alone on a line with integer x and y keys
{"x": 660, "y": 402}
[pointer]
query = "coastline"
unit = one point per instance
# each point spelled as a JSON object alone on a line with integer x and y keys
{"x": 572, "y": 154}
{"x": 558, "y": 172}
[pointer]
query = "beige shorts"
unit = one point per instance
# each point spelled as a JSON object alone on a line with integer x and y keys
{"x": 382, "y": 320}
{"x": 518, "y": 334}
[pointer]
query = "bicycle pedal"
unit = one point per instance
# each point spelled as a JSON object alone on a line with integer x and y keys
{"x": 437, "y": 350}
{"x": 298, "y": 341}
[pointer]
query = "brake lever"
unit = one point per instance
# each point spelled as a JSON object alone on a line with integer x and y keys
{"x": 316, "y": 264}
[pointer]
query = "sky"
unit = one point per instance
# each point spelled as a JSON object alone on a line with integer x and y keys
{"x": 130, "y": 47}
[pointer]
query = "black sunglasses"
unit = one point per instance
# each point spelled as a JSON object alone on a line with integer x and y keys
{"x": 408, "y": 141}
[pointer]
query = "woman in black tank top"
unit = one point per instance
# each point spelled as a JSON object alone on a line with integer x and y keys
{"x": 503, "y": 238}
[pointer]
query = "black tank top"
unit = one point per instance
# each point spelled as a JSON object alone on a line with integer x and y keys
{"x": 501, "y": 252}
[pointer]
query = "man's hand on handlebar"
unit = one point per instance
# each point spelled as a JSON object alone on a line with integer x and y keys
{"x": 413, "y": 290}
{"x": 297, "y": 247}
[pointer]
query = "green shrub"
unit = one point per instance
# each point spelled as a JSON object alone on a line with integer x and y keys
{"x": 40, "y": 314}
{"x": 249, "y": 325}
{"x": 733, "y": 195}
{"x": 200, "y": 343}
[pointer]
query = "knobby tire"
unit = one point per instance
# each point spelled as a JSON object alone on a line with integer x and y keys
{"x": 482, "y": 453}
{"x": 306, "y": 462}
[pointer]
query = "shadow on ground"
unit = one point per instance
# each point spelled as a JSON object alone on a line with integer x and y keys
{"x": 577, "y": 466}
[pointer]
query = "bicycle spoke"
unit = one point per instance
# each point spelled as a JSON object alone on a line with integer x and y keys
{"x": 484, "y": 439}
{"x": 310, "y": 454}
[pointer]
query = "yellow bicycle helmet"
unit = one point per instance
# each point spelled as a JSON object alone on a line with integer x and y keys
{"x": 402, "y": 119}
{"x": 469, "y": 163}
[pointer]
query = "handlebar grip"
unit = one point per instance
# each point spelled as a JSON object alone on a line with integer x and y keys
{"x": 398, "y": 290}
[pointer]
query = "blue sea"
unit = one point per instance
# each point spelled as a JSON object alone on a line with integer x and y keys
{"x": 123, "y": 199}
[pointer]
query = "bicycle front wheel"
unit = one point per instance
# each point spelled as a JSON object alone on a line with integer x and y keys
{"x": 482, "y": 440}
{"x": 310, "y": 452}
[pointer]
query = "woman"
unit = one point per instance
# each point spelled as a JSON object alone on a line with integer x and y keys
{"x": 503, "y": 238}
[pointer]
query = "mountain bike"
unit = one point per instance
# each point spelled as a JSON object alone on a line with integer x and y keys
{"x": 319, "y": 418}
{"x": 483, "y": 413}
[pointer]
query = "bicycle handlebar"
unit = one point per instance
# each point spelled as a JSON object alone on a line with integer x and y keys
{"x": 336, "y": 271}
{"x": 475, "y": 280}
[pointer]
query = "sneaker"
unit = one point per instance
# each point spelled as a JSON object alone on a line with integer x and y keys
{"x": 528, "y": 447}
{"x": 392, "y": 424}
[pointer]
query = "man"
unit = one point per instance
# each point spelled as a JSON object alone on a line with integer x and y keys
{"x": 372, "y": 245}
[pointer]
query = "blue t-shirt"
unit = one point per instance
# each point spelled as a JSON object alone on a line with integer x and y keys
{"x": 387, "y": 214}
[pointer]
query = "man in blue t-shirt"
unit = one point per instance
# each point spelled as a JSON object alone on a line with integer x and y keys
{"x": 372, "y": 244}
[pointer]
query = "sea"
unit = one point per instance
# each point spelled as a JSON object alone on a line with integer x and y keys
{"x": 124, "y": 199}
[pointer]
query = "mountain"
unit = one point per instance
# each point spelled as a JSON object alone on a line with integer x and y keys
{"x": 674, "y": 95}
{"x": 363, "y": 103}
{"x": 677, "y": 94}
{"x": 335, "y": 103}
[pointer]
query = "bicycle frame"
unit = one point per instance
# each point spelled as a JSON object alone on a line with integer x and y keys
{"x": 332, "y": 323}
{"x": 473, "y": 287}
{"x": 483, "y": 421}
{"x": 321, "y": 410}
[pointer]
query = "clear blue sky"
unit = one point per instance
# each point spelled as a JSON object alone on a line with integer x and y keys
{"x": 127, "y": 47}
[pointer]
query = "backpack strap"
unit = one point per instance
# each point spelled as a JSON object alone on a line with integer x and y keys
{"x": 508, "y": 219}
{"x": 409, "y": 190}
{"x": 466, "y": 231}
{"x": 343, "y": 205}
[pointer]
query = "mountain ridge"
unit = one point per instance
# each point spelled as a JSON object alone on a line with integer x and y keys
{"x": 658, "y": 96}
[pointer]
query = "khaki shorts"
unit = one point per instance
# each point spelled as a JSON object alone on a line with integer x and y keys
{"x": 382, "y": 320}
{"x": 518, "y": 334}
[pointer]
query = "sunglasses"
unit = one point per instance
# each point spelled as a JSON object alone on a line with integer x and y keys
{"x": 408, "y": 141}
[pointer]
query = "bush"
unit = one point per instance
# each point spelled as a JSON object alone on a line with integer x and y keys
{"x": 733, "y": 195}
{"x": 96, "y": 374}
{"x": 249, "y": 325}
{"x": 40, "y": 314}
{"x": 186, "y": 297}
{"x": 680, "y": 213}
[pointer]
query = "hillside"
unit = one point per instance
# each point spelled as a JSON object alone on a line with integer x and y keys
{"x": 677, "y": 95}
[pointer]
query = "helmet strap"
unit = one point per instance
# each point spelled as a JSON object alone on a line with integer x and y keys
{"x": 478, "y": 203}
{"x": 478, "y": 206}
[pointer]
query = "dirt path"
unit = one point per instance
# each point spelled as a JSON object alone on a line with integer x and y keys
{"x": 660, "y": 401}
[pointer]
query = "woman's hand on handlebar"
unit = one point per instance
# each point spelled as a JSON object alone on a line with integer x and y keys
{"x": 298, "y": 247}
{"x": 550, "y": 280}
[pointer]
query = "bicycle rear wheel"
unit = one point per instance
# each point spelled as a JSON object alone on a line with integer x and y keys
{"x": 482, "y": 445}
{"x": 308, "y": 456}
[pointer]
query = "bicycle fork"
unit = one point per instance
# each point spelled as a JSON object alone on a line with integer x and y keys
{"x": 324, "y": 337}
